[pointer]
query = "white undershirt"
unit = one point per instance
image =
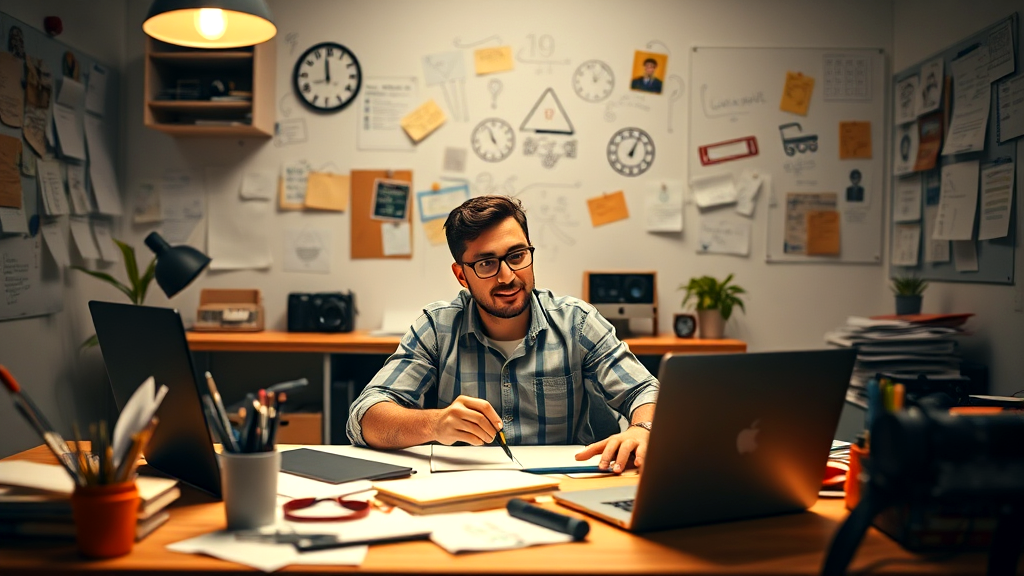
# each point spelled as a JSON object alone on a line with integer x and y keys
{"x": 507, "y": 347}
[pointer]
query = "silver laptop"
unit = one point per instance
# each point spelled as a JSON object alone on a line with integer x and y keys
{"x": 735, "y": 436}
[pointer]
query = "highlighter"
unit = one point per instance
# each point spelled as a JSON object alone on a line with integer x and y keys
{"x": 523, "y": 510}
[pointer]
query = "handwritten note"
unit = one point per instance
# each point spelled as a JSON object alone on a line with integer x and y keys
{"x": 823, "y": 233}
{"x": 12, "y": 97}
{"x": 51, "y": 188}
{"x": 796, "y": 96}
{"x": 854, "y": 140}
{"x": 293, "y": 185}
{"x": 607, "y": 208}
{"x": 906, "y": 244}
{"x": 326, "y": 191}
{"x": 419, "y": 123}
{"x": 10, "y": 179}
{"x": 724, "y": 236}
{"x": 491, "y": 60}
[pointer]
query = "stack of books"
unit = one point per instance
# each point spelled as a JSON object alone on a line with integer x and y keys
{"x": 35, "y": 501}
{"x": 901, "y": 348}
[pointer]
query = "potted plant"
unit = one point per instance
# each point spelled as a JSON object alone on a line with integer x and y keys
{"x": 714, "y": 302}
{"x": 137, "y": 285}
{"x": 908, "y": 290}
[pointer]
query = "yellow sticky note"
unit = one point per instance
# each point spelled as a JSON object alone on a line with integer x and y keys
{"x": 823, "y": 233}
{"x": 491, "y": 60}
{"x": 434, "y": 229}
{"x": 423, "y": 120}
{"x": 607, "y": 208}
{"x": 796, "y": 96}
{"x": 854, "y": 140}
{"x": 326, "y": 191}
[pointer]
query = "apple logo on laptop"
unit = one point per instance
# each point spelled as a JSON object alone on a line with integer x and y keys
{"x": 746, "y": 441}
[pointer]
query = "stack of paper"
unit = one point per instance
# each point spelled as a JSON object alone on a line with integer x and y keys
{"x": 461, "y": 491}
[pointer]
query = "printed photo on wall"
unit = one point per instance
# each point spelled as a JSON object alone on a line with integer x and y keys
{"x": 649, "y": 69}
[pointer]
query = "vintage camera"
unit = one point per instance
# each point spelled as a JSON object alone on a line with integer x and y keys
{"x": 321, "y": 312}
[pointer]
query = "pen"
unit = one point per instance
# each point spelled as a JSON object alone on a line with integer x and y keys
{"x": 326, "y": 541}
{"x": 504, "y": 445}
{"x": 24, "y": 405}
{"x": 523, "y": 510}
{"x": 567, "y": 470}
{"x": 221, "y": 413}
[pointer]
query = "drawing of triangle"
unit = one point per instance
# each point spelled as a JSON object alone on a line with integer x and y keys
{"x": 547, "y": 116}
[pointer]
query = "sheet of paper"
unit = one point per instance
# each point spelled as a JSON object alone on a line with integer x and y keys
{"x": 96, "y": 92}
{"x": 288, "y": 131}
{"x": 265, "y": 556}
{"x": 385, "y": 102}
{"x": 10, "y": 176}
{"x": 712, "y": 191}
{"x": 607, "y": 208}
{"x": 929, "y": 132}
{"x": 489, "y": 530}
{"x": 905, "y": 100}
{"x": 53, "y": 233}
{"x": 437, "y": 204}
{"x": 798, "y": 204}
{"x": 38, "y": 83}
{"x": 259, "y": 185}
{"x": 34, "y": 128}
{"x": 452, "y": 458}
{"x": 958, "y": 203}
{"x": 724, "y": 236}
{"x": 434, "y": 230}
{"x": 443, "y": 67}
{"x": 109, "y": 252}
{"x": 236, "y": 234}
{"x": 182, "y": 205}
{"x": 12, "y": 95}
{"x": 748, "y": 186}
{"x": 996, "y": 200}
{"x": 28, "y": 162}
{"x": 71, "y": 93}
{"x": 823, "y": 233}
{"x": 136, "y": 414}
{"x": 930, "y": 91}
{"x": 906, "y": 244}
{"x": 971, "y": 101}
{"x": 796, "y": 95}
{"x": 327, "y": 191}
{"x": 294, "y": 177}
{"x": 81, "y": 233}
{"x": 390, "y": 200}
{"x": 13, "y": 221}
{"x": 1000, "y": 51}
{"x": 35, "y": 475}
{"x": 395, "y": 238}
{"x": 663, "y": 206}
{"x": 396, "y": 322}
{"x": 81, "y": 203}
{"x": 907, "y": 199}
{"x": 51, "y": 188}
{"x": 1010, "y": 114}
{"x": 965, "y": 255}
{"x": 101, "y": 168}
{"x": 905, "y": 148}
{"x": 854, "y": 140}
{"x": 308, "y": 249}
{"x": 934, "y": 250}
{"x": 419, "y": 123}
{"x": 69, "y": 133}
{"x": 491, "y": 60}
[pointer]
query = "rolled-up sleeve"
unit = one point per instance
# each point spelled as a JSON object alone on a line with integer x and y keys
{"x": 613, "y": 370}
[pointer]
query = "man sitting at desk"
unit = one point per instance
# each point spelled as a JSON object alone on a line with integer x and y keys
{"x": 504, "y": 356}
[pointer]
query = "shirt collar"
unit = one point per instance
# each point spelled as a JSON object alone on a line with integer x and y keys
{"x": 472, "y": 324}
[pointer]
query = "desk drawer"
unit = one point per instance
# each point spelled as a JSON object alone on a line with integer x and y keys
{"x": 300, "y": 428}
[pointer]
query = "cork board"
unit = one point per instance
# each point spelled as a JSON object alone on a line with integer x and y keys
{"x": 366, "y": 231}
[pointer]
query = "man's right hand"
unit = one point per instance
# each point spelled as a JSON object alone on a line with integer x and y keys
{"x": 467, "y": 419}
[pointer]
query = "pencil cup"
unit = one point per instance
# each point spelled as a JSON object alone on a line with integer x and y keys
{"x": 105, "y": 518}
{"x": 249, "y": 487}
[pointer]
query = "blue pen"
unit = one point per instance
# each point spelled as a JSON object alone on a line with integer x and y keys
{"x": 566, "y": 470}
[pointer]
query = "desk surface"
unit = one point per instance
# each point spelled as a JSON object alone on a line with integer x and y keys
{"x": 789, "y": 544}
{"x": 361, "y": 342}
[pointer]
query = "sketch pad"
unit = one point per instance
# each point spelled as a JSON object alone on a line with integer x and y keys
{"x": 335, "y": 468}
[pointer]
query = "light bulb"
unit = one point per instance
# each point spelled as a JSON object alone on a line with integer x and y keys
{"x": 210, "y": 23}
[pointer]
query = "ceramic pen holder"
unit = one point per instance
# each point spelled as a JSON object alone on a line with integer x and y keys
{"x": 249, "y": 488}
{"x": 105, "y": 517}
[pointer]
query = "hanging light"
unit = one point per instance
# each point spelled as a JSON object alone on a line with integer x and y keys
{"x": 210, "y": 23}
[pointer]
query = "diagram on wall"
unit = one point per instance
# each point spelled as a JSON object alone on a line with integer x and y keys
{"x": 447, "y": 70}
{"x": 547, "y": 116}
{"x": 540, "y": 50}
{"x": 493, "y": 140}
{"x": 593, "y": 81}
{"x": 549, "y": 150}
{"x": 630, "y": 151}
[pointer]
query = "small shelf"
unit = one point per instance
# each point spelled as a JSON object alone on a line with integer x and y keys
{"x": 199, "y": 106}
{"x": 191, "y": 130}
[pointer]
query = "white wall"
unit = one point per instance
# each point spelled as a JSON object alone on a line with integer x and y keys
{"x": 922, "y": 28}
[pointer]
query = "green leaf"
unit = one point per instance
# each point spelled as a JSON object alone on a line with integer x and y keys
{"x": 129, "y": 263}
{"x": 707, "y": 293}
{"x": 89, "y": 343}
{"x": 109, "y": 280}
{"x": 147, "y": 278}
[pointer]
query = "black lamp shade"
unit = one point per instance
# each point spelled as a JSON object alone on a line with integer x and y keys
{"x": 236, "y": 23}
{"x": 176, "y": 266}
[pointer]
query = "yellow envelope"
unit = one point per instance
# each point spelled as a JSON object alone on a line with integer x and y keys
{"x": 423, "y": 120}
{"x": 823, "y": 233}
{"x": 854, "y": 140}
{"x": 607, "y": 208}
{"x": 796, "y": 96}
{"x": 326, "y": 191}
{"x": 491, "y": 60}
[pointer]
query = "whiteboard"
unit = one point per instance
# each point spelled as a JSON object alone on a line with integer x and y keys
{"x": 736, "y": 95}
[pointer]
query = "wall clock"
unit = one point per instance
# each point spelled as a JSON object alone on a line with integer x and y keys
{"x": 493, "y": 139}
{"x": 684, "y": 325}
{"x": 630, "y": 151}
{"x": 593, "y": 81}
{"x": 327, "y": 77}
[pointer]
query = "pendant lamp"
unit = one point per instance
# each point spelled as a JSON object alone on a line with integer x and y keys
{"x": 210, "y": 23}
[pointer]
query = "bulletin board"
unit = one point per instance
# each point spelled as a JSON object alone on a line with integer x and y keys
{"x": 737, "y": 122}
{"x": 995, "y": 256}
{"x": 367, "y": 231}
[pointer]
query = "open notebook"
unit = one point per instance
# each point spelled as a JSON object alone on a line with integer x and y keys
{"x": 537, "y": 459}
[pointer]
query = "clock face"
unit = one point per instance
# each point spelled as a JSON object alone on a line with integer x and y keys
{"x": 593, "y": 81}
{"x": 685, "y": 325}
{"x": 493, "y": 140}
{"x": 631, "y": 151}
{"x": 327, "y": 77}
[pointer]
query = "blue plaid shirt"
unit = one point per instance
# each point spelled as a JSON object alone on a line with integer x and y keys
{"x": 540, "y": 392}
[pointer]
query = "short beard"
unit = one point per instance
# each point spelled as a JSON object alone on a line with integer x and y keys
{"x": 508, "y": 311}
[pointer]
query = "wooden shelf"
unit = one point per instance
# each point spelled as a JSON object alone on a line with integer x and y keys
{"x": 191, "y": 130}
{"x": 199, "y": 105}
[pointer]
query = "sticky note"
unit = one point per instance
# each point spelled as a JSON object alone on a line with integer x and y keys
{"x": 434, "y": 229}
{"x": 823, "y": 233}
{"x": 491, "y": 60}
{"x": 422, "y": 121}
{"x": 854, "y": 140}
{"x": 10, "y": 178}
{"x": 796, "y": 96}
{"x": 607, "y": 208}
{"x": 326, "y": 191}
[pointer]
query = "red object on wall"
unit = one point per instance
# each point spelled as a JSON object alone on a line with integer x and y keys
{"x": 53, "y": 25}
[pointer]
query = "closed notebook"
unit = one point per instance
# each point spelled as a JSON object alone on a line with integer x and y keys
{"x": 461, "y": 491}
{"x": 66, "y": 528}
{"x": 335, "y": 468}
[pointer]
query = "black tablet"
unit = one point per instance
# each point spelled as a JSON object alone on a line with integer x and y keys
{"x": 337, "y": 469}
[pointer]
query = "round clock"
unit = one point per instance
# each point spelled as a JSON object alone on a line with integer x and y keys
{"x": 631, "y": 151}
{"x": 493, "y": 140}
{"x": 684, "y": 325}
{"x": 593, "y": 81}
{"x": 327, "y": 77}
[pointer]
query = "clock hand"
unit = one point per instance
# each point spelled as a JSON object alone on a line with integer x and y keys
{"x": 327, "y": 68}
{"x": 489, "y": 131}
{"x": 633, "y": 149}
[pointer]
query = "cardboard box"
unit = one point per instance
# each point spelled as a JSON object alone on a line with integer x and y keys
{"x": 300, "y": 428}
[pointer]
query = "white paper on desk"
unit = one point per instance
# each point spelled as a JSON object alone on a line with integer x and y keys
{"x": 453, "y": 458}
{"x": 713, "y": 191}
{"x": 374, "y": 526}
{"x": 490, "y": 530}
{"x": 69, "y": 131}
{"x": 81, "y": 232}
{"x": 724, "y": 236}
{"x": 996, "y": 200}
{"x": 135, "y": 416}
{"x": 748, "y": 185}
{"x": 907, "y": 201}
{"x": 265, "y": 556}
{"x": 81, "y": 204}
{"x": 51, "y": 188}
{"x": 53, "y": 234}
{"x": 236, "y": 233}
{"x": 258, "y": 185}
{"x": 1000, "y": 51}
{"x": 308, "y": 249}
{"x": 663, "y": 206}
{"x": 396, "y": 322}
{"x": 906, "y": 244}
{"x": 109, "y": 252}
{"x": 958, "y": 202}
{"x": 101, "y": 168}
{"x": 182, "y": 205}
{"x": 908, "y": 140}
{"x": 1010, "y": 110}
{"x": 96, "y": 92}
{"x": 294, "y": 486}
{"x": 396, "y": 239}
{"x": 971, "y": 101}
{"x": 965, "y": 256}
{"x": 934, "y": 250}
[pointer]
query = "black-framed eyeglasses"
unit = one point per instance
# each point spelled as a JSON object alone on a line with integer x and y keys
{"x": 489, "y": 267}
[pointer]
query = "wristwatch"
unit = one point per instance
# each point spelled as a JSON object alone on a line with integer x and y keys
{"x": 646, "y": 425}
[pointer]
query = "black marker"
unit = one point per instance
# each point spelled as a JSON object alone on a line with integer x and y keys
{"x": 523, "y": 510}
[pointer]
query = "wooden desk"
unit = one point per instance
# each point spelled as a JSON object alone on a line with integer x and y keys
{"x": 361, "y": 342}
{"x": 789, "y": 544}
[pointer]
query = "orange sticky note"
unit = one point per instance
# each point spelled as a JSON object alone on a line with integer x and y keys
{"x": 423, "y": 120}
{"x": 326, "y": 191}
{"x": 796, "y": 96}
{"x": 823, "y": 233}
{"x": 854, "y": 140}
{"x": 491, "y": 60}
{"x": 607, "y": 208}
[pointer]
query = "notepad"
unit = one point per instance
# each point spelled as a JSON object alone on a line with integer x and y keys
{"x": 335, "y": 468}
{"x": 452, "y": 458}
{"x": 461, "y": 491}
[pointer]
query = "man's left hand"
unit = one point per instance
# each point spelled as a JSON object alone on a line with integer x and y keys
{"x": 616, "y": 450}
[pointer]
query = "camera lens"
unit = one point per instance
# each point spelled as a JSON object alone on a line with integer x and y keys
{"x": 332, "y": 314}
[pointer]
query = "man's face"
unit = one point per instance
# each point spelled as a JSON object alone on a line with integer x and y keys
{"x": 507, "y": 294}
{"x": 649, "y": 68}
{"x": 855, "y": 177}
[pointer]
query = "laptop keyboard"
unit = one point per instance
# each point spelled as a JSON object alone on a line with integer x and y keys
{"x": 626, "y": 505}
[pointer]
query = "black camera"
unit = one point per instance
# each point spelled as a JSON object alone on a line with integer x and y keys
{"x": 322, "y": 312}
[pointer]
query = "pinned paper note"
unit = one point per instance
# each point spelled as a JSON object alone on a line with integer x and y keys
{"x": 147, "y": 201}
{"x": 419, "y": 123}
{"x": 712, "y": 191}
{"x": 55, "y": 242}
{"x": 607, "y": 208}
{"x": 798, "y": 204}
{"x": 294, "y": 177}
{"x": 854, "y": 140}
{"x": 327, "y": 191}
{"x": 796, "y": 96}
{"x": 81, "y": 233}
{"x": 663, "y": 206}
{"x": 823, "y": 233}
{"x": 434, "y": 230}
{"x": 965, "y": 256}
{"x": 929, "y": 132}
{"x": 258, "y": 185}
{"x": 748, "y": 186}
{"x": 390, "y": 200}
{"x": 10, "y": 179}
{"x": 396, "y": 239}
{"x": 724, "y": 236}
{"x": 51, "y": 188}
{"x": 12, "y": 96}
{"x": 307, "y": 250}
{"x": 906, "y": 244}
{"x": 109, "y": 252}
{"x": 491, "y": 60}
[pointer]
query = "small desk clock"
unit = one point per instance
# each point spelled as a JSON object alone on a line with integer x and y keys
{"x": 684, "y": 325}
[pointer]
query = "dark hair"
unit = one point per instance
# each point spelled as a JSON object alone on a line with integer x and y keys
{"x": 651, "y": 61}
{"x": 476, "y": 215}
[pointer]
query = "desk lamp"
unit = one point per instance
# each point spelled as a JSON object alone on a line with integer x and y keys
{"x": 177, "y": 266}
{"x": 210, "y": 23}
